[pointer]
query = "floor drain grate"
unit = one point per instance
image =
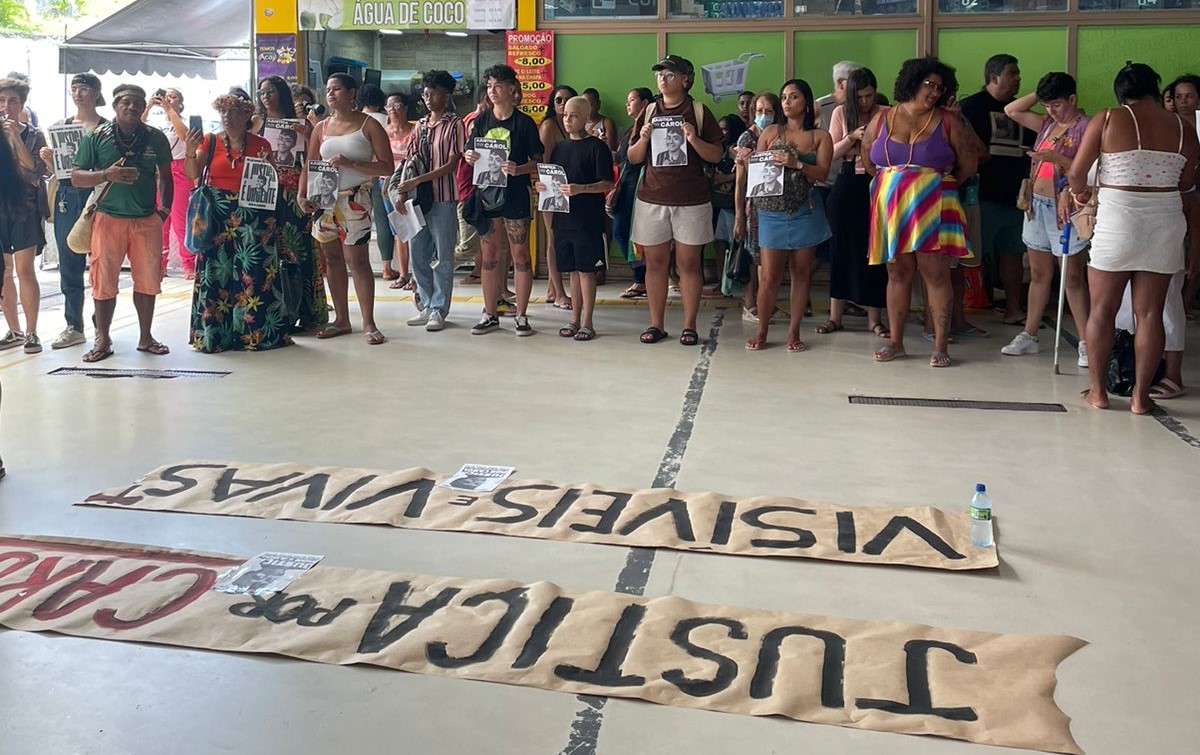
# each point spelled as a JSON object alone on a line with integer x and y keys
{"x": 109, "y": 372}
{"x": 942, "y": 403}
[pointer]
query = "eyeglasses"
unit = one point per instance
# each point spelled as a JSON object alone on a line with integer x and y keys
{"x": 666, "y": 75}
{"x": 395, "y": 107}
{"x": 933, "y": 86}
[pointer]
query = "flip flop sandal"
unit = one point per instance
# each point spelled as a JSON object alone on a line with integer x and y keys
{"x": 795, "y": 347}
{"x": 389, "y": 275}
{"x": 585, "y": 334}
{"x": 756, "y": 344}
{"x": 98, "y": 355}
{"x": 689, "y": 337}
{"x": 829, "y": 326}
{"x": 569, "y": 330}
{"x": 563, "y": 304}
{"x": 653, "y": 335}
{"x": 398, "y": 283}
{"x": 374, "y": 338}
{"x": 632, "y": 293}
{"x": 155, "y": 348}
{"x": 939, "y": 359}
{"x": 329, "y": 331}
{"x": 880, "y": 330}
{"x": 888, "y": 352}
{"x": 409, "y": 285}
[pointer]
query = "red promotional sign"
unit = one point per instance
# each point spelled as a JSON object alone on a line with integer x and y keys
{"x": 531, "y": 55}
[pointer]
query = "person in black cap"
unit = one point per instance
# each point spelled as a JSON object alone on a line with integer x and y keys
{"x": 69, "y": 201}
{"x": 672, "y": 204}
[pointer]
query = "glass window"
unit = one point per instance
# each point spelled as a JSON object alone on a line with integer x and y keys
{"x": 725, "y": 9}
{"x": 852, "y": 7}
{"x": 560, "y": 9}
{"x": 1001, "y": 6}
{"x": 1138, "y": 4}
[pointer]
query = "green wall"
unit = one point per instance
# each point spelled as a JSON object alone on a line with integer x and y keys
{"x": 612, "y": 63}
{"x": 1170, "y": 50}
{"x": 708, "y": 49}
{"x": 882, "y": 51}
{"x": 1038, "y": 50}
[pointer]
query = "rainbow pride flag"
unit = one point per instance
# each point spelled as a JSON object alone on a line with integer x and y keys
{"x": 916, "y": 209}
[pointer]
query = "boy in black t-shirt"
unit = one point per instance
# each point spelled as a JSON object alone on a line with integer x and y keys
{"x": 504, "y": 121}
{"x": 579, "y": 233}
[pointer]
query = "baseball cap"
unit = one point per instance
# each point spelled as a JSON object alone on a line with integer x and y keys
{"x": 91, "y": 81}
{"x": 675, "y": 63}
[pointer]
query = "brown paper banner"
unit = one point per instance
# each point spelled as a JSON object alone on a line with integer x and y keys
{"x": 653, "y": 518}
{"x": 885, "y": 676}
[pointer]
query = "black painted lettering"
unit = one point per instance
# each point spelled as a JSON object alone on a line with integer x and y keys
{"x": 280, "y": 608}
{"x": 727, "y": 668}
{"x": 172, "y": 474}
{"x": 420, "y": 489}
{"x": 675, "y": 508}
{"x": 378, "y": 637}
{"x": 229, "y": 486}
{"x": 314, "y": 490}
{"x": 608, "y": 672}
{"x": 539, "y": 638}
{"x": 754, "y": 518}
{"x": 724, "y": 523}
{"x": 916, "y": 674}
{"x": 462, "y": 500}
{"x": 525, "y": 512}
{"x": 847, "y": 536}
{"x": 900, "y": 523}
{"x": 833, "y": 688}
{"x": 516, "y": 601}
{"x": 564, "y": 504}
{"x": 608, "y": 516}
{"x": 122, "y": 498}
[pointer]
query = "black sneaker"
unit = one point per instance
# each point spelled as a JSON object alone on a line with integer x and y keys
{"x": 486, "y": 325}
{"x": 523, "y": 327}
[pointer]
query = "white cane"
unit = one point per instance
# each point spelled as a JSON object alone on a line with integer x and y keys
{"x": 1062, "y": 290}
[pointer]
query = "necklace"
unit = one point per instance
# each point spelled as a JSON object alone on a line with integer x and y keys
{"x": 233, "y": 161}
{"x": 126, "y": 148}
{"x": 912, "y": 138}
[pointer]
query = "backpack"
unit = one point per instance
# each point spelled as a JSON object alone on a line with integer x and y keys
{"x": 414, "y": 167}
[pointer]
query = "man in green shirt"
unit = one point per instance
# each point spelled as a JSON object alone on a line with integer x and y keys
{"x": 135, "y": 161}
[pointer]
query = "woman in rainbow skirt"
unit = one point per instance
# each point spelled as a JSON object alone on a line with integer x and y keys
{"x": 920, "y": 152}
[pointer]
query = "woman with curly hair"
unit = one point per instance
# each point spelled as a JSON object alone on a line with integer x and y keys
{"x": 237, "y": 301}
{"x": 919, "y": 154}
{"x": 293, "y": 241}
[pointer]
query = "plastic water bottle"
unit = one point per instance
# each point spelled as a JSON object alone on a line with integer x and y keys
{"x": 981, "y": 517}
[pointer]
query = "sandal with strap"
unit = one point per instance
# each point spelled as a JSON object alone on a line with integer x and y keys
{"x": 155, "y": 348}
{"x": 569, "y": 330}
{"x": 796, "y": 346}
{"x": 585, "y": 334}
{"x": 888, "y": 352}
{"x": 829, "y": 326}
{"x": 689, "y": 337}
{"x": 880, "y": 330}
{"x": 939, "y": 359}
{"x": 653, "y": 335}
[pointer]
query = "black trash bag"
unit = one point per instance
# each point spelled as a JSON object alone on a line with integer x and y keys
{"x": 1121, "y": 366}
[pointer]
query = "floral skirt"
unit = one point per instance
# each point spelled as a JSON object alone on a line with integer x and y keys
{"x": 237, "y": 302}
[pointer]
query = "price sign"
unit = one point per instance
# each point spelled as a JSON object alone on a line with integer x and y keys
{"x": 531, "y": 55}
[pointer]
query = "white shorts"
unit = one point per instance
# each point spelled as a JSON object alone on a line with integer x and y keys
{"x": 655, "y": 224}
{"x": 1174, "y": 318}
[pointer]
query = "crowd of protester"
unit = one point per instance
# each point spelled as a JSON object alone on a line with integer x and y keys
{"x": 916, "y": 187}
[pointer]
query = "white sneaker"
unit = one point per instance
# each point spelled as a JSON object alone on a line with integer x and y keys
{"x": 1083, "y": 360}
{"x": 436, "y": 322}
{"x": 69, "y": 337}
{"x": 421, "y": 319}
{"x": 1022, "y": 344}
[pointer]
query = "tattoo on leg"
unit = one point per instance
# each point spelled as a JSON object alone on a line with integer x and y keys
{"x": 522, "y": 266}
{"x": 518, "y": 231}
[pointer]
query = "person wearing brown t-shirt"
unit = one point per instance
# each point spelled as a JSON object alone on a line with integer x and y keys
{"x": 672, "y": 202}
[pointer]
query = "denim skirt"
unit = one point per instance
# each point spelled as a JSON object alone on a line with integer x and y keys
{"x": 803, "y": 228}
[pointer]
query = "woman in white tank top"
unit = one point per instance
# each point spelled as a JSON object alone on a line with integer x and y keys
{"x": 1148, "y": 161}
{"x": 358, "y": 147}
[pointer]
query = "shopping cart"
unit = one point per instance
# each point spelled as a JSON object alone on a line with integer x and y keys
{"x": 727, "y": 77}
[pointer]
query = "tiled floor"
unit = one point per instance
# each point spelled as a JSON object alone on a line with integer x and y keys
{"x": 1095, "y": 521}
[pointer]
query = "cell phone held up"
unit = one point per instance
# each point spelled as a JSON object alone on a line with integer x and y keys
{"x": 196, "y": 123}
